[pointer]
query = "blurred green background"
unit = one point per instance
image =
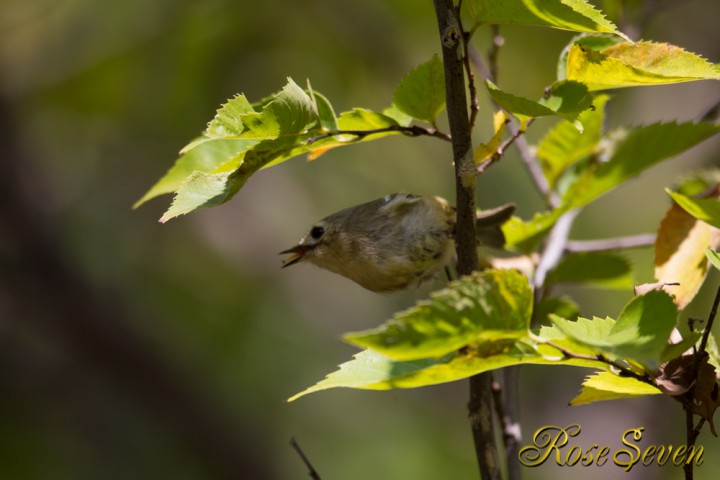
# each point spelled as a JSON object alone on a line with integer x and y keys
{"x": 131, "y": 349}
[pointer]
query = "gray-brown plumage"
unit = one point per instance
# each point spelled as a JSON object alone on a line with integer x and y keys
{"x": 391, "y": 243}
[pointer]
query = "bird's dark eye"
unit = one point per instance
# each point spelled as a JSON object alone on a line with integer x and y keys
{"x": 317, "y": 232}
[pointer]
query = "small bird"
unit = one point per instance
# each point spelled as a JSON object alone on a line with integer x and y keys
{"x": 392, "y": 243}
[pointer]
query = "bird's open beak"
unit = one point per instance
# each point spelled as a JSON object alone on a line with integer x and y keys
{"x": 297, "y": 253}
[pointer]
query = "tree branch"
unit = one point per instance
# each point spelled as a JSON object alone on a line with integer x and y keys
{"x": 618, "y": 243}
{"x": 311, "y": 470}
{"x": 451, "y": 37}
{"x": 411, "y": 131}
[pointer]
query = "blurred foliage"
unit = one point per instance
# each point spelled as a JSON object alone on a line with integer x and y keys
{"x": 192, "y": 336}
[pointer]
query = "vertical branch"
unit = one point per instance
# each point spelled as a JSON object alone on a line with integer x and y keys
{"x": 451, "y": 35}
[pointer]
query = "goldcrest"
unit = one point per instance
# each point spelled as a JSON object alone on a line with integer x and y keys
{"x": 391, "y": 243}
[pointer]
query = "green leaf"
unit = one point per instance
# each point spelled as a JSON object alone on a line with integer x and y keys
{"x": 563, "y": 307}
{"x": 364, "y": 119}
{"x": 370, "y": 370}
{"x": 492, "y": 305}
{"x": 565, "y": 99}
{"x": 201, "y": 190}
{"x": 608, "y": 386}
{"x": 641, "y": 332}
{"x": 204, "y": 157}
{"x": 573, "y": 15}
{"x": 714, "y": 258}
{"x": 631, "y": 152}
{"x": 565, "y": 145}
{"x": 605, "y": 269}
{"x": 421, "y": 94}
{"x": 525, "y": 236}
{"x": 705, "y": 209}
{"x": 228, "y": 119}
{"x": 636, "y": 64}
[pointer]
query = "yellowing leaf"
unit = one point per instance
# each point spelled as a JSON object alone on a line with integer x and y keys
{"x": 485, "y": 151}
{"x": 642, "y": 63}
{"x": 573, "y": 15}
{"x": 608, "y": 386}
{"x": 680, "y": 253}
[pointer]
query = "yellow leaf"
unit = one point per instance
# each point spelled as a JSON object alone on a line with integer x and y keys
{"x": 485, "y": 151}
{"x": 680, "y": 253}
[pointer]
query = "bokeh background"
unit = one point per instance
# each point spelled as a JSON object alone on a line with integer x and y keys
{"x": 132, "y": 349}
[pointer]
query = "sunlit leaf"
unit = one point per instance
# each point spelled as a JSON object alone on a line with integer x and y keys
{"x": 371, "y": 370}
{"x": 487, "y": 150}
{"x": 680, "y": 253}
{"x": 564, "y": 144}
{"x": 640, "y": 333}
{"x": 609, "y": 386}
{"x": 593, "y": 41}
{"x": 526, "y": 235}
{"x": 421, "y": 94}
{"x": 573, "y": 15}
{"x": 491, "y": 305}
{"x": 204, "y": 157}
{"x": 565, "y": 99}
{"x": 705, "y": 209}
{"x": 642, "y": 63}
{"x": 714, "y": 258}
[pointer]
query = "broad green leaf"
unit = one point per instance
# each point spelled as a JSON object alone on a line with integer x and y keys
{"x": 705, "y": 209}
{"x": 631, "y": 152}
{"x": 642, "y": 63}
{"x": 565, "y": 145}
{"x": 492, "y": 305}
{"x": 326, "y": 114}
{"x": 714, "y": 258}
{"x": 608, "y": 386}
{"x": 293, "y": 110}
{"x": 421, "y": 94}
{"x": 605, "y": 269}
{"x": 573, "y": 15}
{"x": 565, "y": 99}
{"x": 201, "y": 190}
{"x": 204, "y": 157}
{"x": 228, "y": 119}
{"x": 640, "y": 333}
{"x": 680, "y": 253}
{"x": 370, "y": 370}
{"x": 526, "y": 235}
{"x": 364, "y": 119}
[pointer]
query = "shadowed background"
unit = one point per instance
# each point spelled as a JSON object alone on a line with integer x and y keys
{"x": 131, "y": 349}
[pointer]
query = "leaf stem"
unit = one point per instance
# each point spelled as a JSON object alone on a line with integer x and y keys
{"x": 411, "y": 131}
{"x": 625, "y": 371}
{"x": 501, "y": 149}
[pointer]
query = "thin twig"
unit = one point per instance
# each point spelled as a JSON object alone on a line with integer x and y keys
{"x": 497, "y": 42}
{"x": 411, "y": 131}
{"x": 709, "y": 323}
{"x": 500, "y": 150}
{"x": 504, "y": 399}
{"x": 617, "y": 243}
{"x": 553, "y": 251}
{"x": 311, "y": 470}
{"x": 472, "y": 90}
